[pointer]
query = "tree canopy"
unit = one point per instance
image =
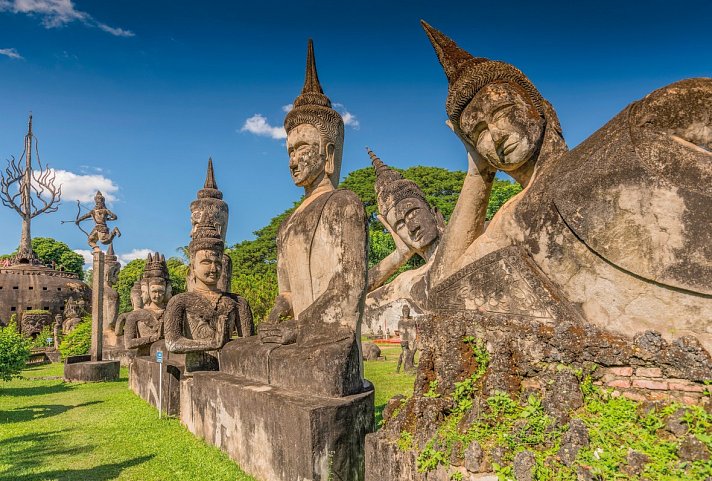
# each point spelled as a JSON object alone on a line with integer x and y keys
{"x": 50, "y": 250}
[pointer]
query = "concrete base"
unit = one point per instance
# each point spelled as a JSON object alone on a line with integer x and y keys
{"x": 124, "y": 356}
{"x": 76, "y": 369}
{"x": 279, "y": 435}
{"x": 144, "y": 376}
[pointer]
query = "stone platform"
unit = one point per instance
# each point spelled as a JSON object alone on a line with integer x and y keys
{"x": 83, "y": 369}
{"x": 144, "y": 376}
{"x": 276, "y": 434}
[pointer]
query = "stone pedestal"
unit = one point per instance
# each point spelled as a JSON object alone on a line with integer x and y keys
{"x": 83, "y": 369}
{"x": 97, "y": 307}
{"x": 279, "y": 435}
{"x": 144, "y": 377}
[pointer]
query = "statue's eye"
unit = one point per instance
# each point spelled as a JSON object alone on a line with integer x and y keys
{"x": 501, "y": 111}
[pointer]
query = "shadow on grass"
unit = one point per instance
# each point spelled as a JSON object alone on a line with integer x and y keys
{"x": 25, "y": 455}
{"x": 36, "y": 391}
{"x": 38, "y": 411}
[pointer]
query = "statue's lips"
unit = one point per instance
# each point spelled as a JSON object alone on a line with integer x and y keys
{"x": 509, "y": 148}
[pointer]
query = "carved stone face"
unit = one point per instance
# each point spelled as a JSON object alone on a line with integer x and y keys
{"x": 157, "y": 293}
{"x": 145, "y": 298}
{"x": 406, "y": 311}
{"x": 503, "y": 125}
{"x": 414, "y": 223}
{"x": 112, "y": 273}
{"x": 307, "y": 160}
{"x": 207, "y": 266}
{"x": 205, "y": 212}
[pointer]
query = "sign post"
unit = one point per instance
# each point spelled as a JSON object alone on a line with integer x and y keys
{"x": 159, "y": 360}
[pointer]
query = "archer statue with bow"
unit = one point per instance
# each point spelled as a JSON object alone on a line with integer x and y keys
{"x": 100, "y": 215}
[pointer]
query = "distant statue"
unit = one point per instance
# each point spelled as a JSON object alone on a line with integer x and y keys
{"x": 618, "y": 226}
{"x": 199, "y": 322}
{"x": 100, "y": 214}
{"x": 139, "y": 297}
{"x": 407, "y": 328}
{"x": 57, "y": 330}
{"x": 315, "y": 325}
{"x": 111, "y": 296}
{"x": 416, "y": 229}
{"x": 144, "y": 326}
{"x": 74, "y": 309}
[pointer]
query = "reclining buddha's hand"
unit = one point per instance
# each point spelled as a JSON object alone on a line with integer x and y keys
{"x": 475, "y": 160}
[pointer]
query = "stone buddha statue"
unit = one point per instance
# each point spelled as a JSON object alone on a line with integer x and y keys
{"x": 504, "y": 123}
{"x": 416, "y": 229}
{"x": 144, "y": 326}
{"x": 210, "y": 208}
{"x": 310, "y": 341}
{"x": 617, "y": 229}
{"x": 199, "y": 322}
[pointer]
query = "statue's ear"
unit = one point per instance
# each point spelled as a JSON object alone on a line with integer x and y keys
{"x": 329, "y": 158}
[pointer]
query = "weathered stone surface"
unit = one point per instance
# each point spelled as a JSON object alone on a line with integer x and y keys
{"x": 371, "y": 352}
{"x": 474, "y": 456}
{"x": 81, "y": 369}
{"x": 692, "y": 449}
{"x": 524, "y": 464}
{"x": 562, "y": 395}
{"x": 144, "y": 380}
{"x": 636, "y": 462}
{"x": 675, "y": 423}
{"x": 572, "y": 441}
{"x": 279, "y": 434}
{"x": 32, "y": 324}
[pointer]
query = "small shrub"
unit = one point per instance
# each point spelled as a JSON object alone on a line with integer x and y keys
{"x": 41, "y": 339}
{"x": 78, "y": 341}
{"x": 14, "y": 352}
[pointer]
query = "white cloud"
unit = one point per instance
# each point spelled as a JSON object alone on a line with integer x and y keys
{"x": 350, "y": 119}
{"x": 57, "y": 13}
{"x": 10, "y": 52}
{"x": 133, "y": 255}
{"x": 88, "y": 257}
{"x": 82, "y": 187}
{"x": 287, "y": 108}
{"x": 258, "y": 125}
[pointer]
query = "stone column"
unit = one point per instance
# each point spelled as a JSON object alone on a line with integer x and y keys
{"x": 97, "y": 307}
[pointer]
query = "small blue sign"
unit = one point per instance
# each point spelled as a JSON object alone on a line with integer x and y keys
{"x": 50, "y": 340}
{"x": 159, "y": 356}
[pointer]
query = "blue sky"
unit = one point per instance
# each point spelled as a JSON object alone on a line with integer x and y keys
{"x": 134, "y": 96}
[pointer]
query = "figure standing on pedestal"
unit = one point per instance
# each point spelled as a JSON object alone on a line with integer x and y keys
{"x": 100, "y": 214}
{"x": 408, "y": 336}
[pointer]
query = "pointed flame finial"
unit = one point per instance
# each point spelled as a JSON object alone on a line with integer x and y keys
{"x": 451, "y": 57}
{"x": 311, "y": 77}
{"x": 210, "y": 176}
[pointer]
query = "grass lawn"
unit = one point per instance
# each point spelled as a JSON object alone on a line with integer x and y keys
{"x": 51, "y": 430}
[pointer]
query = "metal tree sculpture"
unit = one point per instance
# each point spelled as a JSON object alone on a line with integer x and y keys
{"x": 34, "y": 193}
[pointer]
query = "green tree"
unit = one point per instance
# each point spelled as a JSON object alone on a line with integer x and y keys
{"x": 14, "y": 351}
{"x": 49, "y": 251}
{"x": 78, "y": 341}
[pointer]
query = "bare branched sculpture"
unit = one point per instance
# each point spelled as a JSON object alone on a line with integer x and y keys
{"x": 30, "y": 192}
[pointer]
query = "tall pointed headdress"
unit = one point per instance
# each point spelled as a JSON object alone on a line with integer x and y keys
{"x": 391, "y": 187}
{"x": 156, "y": 267}
{"x": 467, "y": 75}
{"x": 210, "y": 207}
{"x": 314, "y": 108}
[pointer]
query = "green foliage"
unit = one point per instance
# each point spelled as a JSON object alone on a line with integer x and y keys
{"x": 78, "y": 341}
{"x": 41, "y": 339}
{"x": 178, "y": 273}
{"x": 432, "y": 392}
{"x": 502, "y": 191}
{"x": 128, "y": 274}
{"x": 260, "y": 291}
{"x": 14, "y": 351}
{"x": 49, "y": 250}
{"x": 36, "y": 311}
{"x": 405, "y": 441}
